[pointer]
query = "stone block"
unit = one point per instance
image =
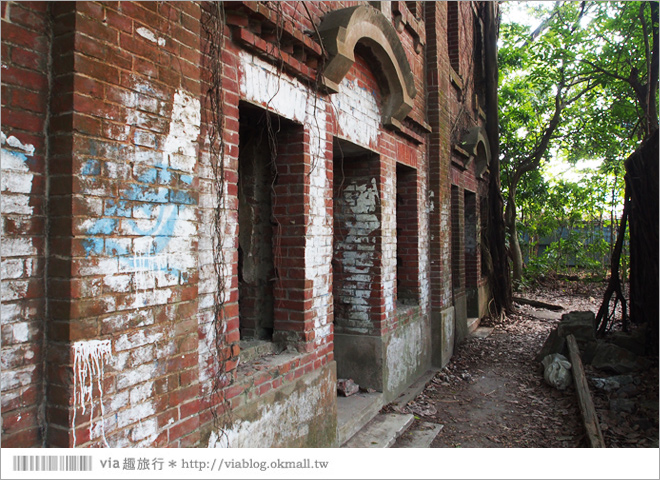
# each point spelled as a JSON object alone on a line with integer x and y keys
{"x": 634, "y": 342}
{"x": 610, "y": 357}
{"x": 553, "y": 344}
{"x": 579, "y": 324}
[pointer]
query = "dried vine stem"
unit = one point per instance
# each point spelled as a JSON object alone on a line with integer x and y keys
{"x": 213, "y": 25}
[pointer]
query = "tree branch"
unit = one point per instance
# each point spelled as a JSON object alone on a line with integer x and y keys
{"x": 542, "y": 27}
{"x": 605, "y": 72}
{"x": 578, "y": 95}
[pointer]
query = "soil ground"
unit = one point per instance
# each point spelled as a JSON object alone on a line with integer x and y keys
{"x": 492, "y": 393}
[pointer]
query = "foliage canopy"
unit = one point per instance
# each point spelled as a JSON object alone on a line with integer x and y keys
{"x": 574, "y": 88}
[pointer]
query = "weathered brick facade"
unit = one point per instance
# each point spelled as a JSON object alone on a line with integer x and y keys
{"x": 211, "y": 211}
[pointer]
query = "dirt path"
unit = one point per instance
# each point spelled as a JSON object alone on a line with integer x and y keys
{"x": 492, "y": 394}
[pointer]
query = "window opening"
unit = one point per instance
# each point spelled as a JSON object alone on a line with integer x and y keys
{"x": 407, "y": 233}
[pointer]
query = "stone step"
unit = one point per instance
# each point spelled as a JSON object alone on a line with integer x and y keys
{"x": 482, "y": 332}
{"x": 419, "y": 436}
{"x": 381, "y": 432}
{"x": 355, "y": 412}
{"x": 473, "y": 324}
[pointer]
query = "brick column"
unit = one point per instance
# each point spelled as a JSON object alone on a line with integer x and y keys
{"x": 123, "y": 238}
{"x": 439, "y": 157}
{"x": 26, "y": 43}
{"x": 294, "y": 322}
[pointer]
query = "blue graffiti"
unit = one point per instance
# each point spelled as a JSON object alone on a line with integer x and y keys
{"x": 91, "y": 167}
{"x": 152, "y": 196}
{"x": 19, "y": 155}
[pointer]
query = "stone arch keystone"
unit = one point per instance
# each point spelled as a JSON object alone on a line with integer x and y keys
{"x": 341, "y": 30}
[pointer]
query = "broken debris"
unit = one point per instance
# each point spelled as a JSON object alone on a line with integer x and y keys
{"x": 347, "y": 387}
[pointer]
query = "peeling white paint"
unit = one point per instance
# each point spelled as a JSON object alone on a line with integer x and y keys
{"x": 17, "y": 266}
{"x": 363, "y": 203}
{"x": 358, "y": 113}
{"x": 11, "y": 379}
{"x": 286, "y": 419}
{"x": 16, "y": 177}
{"x": 388, "y": 218}
{"x": 154, "y": 246}
{"x": 133, "y": 414}
{"x": 149, "y": 35}
{"x": 14, "y": 142}
{"x": 424, "y": 256}
{"x": 262, "y": 83}
{"x": 179, "y": 150}
{"x": 404, "y": 352}
{"x": 89, "y": 359}
{"x": 445, "y": 253}
{"x": 20, "y": 332}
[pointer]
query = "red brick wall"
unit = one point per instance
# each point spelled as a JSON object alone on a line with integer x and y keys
{"x": 124, "y": 75}
{"x": 123, "y": 144}
{"x": 25, "y": 88}
{"x": 439, "y": 148}
{"x": 452, "y": 111}
{"x": 453, "y": 44}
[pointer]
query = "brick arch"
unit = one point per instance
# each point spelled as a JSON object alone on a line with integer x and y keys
{"x": 341, "y": 30}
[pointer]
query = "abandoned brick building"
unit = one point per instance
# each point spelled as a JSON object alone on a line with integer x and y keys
{"x": 213, "y": 211}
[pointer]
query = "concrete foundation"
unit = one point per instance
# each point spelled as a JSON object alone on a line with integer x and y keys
{"x": 387, "y": 364}
{"x": 299, "y": 414}
{"x": 442, "y": 334}
{"x": 407, "y": 356}
{"x": 360, "y": 357}
{"x": 461, "y": 316}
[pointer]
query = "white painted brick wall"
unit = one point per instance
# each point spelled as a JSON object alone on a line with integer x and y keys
{"x": 17, "y": 266}
{"x": 358, "y": 114}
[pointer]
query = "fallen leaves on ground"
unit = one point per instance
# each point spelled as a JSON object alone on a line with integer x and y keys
{"x": 492, "y": 393}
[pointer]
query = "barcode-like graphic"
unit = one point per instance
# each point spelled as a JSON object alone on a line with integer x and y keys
{"x": 50, "y": 463}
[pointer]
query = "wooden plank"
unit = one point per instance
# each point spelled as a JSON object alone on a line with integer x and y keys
{"x": 536, "y": 303}
{"x": 591, "y": 425}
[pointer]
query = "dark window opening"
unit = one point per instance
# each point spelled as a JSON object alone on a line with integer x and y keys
{"x": 256, "y": 270}
{"x": 456, "y": 238}
{"x": 470, "y": 240}
{"x": 407, "y": 236}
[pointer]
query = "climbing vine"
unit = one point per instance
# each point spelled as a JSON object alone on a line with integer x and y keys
{"x": 213, "y": 25}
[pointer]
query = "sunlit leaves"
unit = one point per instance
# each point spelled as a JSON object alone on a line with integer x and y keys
{"x": 567, "y": 95}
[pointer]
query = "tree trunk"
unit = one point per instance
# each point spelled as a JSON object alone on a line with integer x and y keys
{"x": 514, "y": 243}
{"x": 499, "y": 278}
{"x": 642, "y": 183}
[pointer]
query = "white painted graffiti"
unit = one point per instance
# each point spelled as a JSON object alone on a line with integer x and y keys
{"x": 89, "y": 359}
